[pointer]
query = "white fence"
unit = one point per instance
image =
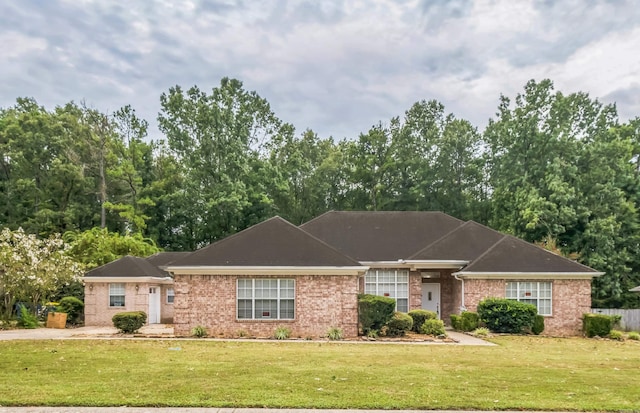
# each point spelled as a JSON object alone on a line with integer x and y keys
{"x": 630, "y": 318}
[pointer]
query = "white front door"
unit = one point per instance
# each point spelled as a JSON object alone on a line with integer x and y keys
{"x": 431, "y": 297}
{"x": 154, "y": 305}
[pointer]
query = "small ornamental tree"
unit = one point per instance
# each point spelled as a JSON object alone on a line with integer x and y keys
{"x": 32, "y": 269}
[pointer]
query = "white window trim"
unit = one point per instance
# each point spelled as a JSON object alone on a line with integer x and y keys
{"x": 173, "y": 294}
{"x": 123, "y": 295}
{"x": 395, "y": 284}
{"x": 538, "y": 298}
{"x": 253, "y": 300}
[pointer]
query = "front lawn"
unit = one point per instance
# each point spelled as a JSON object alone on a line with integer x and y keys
{"x": 520, "y": 373}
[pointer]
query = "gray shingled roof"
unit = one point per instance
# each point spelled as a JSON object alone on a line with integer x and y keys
{"x": 511, "y": 254}
{"x": 127, "y": 266}
{"x": 380, "y": 236}
{"x": 274, "y": 242}
{"x": 161, "y": 259}
{"x": 466, "y": 243}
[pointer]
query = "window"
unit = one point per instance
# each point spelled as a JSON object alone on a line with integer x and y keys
{"x": 536, "y": 293}
{"x": 170, "y": 295}
{"x": 264, "y": 299}
{"x": 116, "y": 295}
{"x": 389, "y": 283}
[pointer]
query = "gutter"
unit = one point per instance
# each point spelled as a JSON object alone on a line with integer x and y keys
{"x": 462, "y": 306}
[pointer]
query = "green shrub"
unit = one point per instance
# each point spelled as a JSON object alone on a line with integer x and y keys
{"x": 502, "y": 315}
{"x": 597, "y": 324}
{"x": 374, "y": 311}
{"x": 73, "y": 307}
{"x": 419, "y": 317}
{"x": 130, "y": 321}
{"x": 538, "y": 325}
{"x": 27, "y": 318}
{"x": 334, "y": 334}
{"x": 634, "y": 335}
{"x": 199, "y": 331}
{"x": 282, "y": 333}
{"x": 433, "y": 327}
{"x": 616, "y": 335}
{"x": 481, "y": 332}
{"x": 399, "y": 324}
{"x": 469, "y": 321}
{"x": 456, "y": 322}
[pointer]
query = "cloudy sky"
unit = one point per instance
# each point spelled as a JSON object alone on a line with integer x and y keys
{"x": 337, "y": 67}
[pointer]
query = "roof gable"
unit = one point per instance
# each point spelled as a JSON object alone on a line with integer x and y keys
{"x": 127, "y": 266}
{"x": 380, "y": 235}
{"x": 511, "y": 254}
{"x": 274, "y": 242}
{"x": 466, "y": 242}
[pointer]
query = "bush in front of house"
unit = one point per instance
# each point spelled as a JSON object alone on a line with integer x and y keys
{"x": 598, "y": 324}
{"x": 502, "y": 315}
{"x": 374, "y": 311}
{"x": 73, "y": 307}
{"x": 456, "y": 321}
{"x": 616, "y": 335}
{"x": 419, "y": 317}
{"x": 469, "y": 321}
{"x": 538, "y": 325}
{"x": 433, "y": 327}
{"x": 399, "y": 324}
{"x": 634, "y": 335}
{"x": 130, "y": 321}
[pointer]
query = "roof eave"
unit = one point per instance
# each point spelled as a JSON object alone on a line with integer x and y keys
{"x": 267, "y": 270}
{"x": 128, "y": 279}
{"x": 528, "y": 275}
{"x": 417, "y": 264}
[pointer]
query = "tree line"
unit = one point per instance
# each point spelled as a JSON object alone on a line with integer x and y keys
{"x": 560, "y": 170}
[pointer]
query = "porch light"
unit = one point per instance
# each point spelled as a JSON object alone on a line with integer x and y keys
{"x": 137, "y": 287}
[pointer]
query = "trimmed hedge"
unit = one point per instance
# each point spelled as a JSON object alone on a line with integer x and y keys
{"x": 433, "y": 327}
{"x": 502, "y": 315}
{"x": 374, "y": 311}
{"x": 469, "y": 321}
{"x": 598, "y": 324}
{"x": 538, "y": 325}
{"x": 129, "y": 322}
{"x": 399, "y": 324}
{"x": 419, "y": 317}
{"x": 456, "y": 322}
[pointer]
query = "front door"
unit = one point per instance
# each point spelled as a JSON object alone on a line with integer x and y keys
{"x": 431, "y": 297}
{"x": 154, "y": 305}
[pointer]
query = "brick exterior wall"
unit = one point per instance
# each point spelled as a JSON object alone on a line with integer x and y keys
{"x": 321, "y": 302}
{"x": 570, "y": 300}
{"x": 97, "y": 311}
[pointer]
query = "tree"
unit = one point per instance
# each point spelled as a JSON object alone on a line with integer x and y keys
{"x": 98, "y": 246}
{"x": 32, "y": 269}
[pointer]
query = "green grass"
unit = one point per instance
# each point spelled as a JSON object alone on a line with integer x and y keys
{"x": 531, "y": 373}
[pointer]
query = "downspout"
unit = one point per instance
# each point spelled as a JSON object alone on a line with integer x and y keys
{"x": 462, "y": 307}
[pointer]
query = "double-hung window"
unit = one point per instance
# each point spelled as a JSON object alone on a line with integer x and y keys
{"x": 531, "y": 292}
{"x": 116, "y": 295}
{"x": 389, "y": 283}
{"x": 265, "y": 298}
{"x": 170, "y": 295}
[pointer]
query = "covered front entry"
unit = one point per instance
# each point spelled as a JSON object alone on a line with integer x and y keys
{"x": 431, "y": 297}
{"x": 154, "y": 304}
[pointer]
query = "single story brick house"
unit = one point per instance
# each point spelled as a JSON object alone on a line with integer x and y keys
{"x": 130, "y": 284}
{"x": 307, "y": 278}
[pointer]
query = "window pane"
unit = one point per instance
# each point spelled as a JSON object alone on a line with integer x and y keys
{"x": 170, "y": 295}
{"x": 244, "y": 309}
{"x": 116, "y": 295}
{"x": 266, "y": 309}
{"x": 402, "y": 305}
{"x": 287, "y": 309}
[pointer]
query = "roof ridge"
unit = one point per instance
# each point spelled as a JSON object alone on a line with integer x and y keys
{"x": 438, "y": 240}
{"x": 491, "y": 248}
{"x": 316, "y": 218}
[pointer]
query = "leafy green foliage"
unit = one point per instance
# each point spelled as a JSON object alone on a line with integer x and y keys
{"x": 335, "y": 334}
{"x": 433, "y": 327}
{"x": 481, "y": 332}
{"x": 130, "y": 321}
{"x": 633, "y": 335}
{"x": 501, "y": 315}
{"x": 616, "y": 335}
{"x": 27, "y": 318}
{"x": 469, "y": 321}
{"x": 419, "y": 317}
{"x": 597, "y": 324}
{"x": 282, "y": 333}
{"x": 199, "y": 331}
{"x": 538, "y": 325}
{"x": 374, "y": 311}
{"x": 73, "y": 307}
{"x": 399, "y": 324}
{"x": 455, "y": 321}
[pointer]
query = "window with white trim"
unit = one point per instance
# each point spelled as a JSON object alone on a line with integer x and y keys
{"x": 265, "y": 299}
{"x": 537, "y": 293}
{"x": 170, "y": 295}
{"x": 389, "y": 283}
{"x": 116, "y": 295}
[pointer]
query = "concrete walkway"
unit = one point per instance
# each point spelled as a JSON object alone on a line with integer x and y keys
{"x": 165, "y": 331}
